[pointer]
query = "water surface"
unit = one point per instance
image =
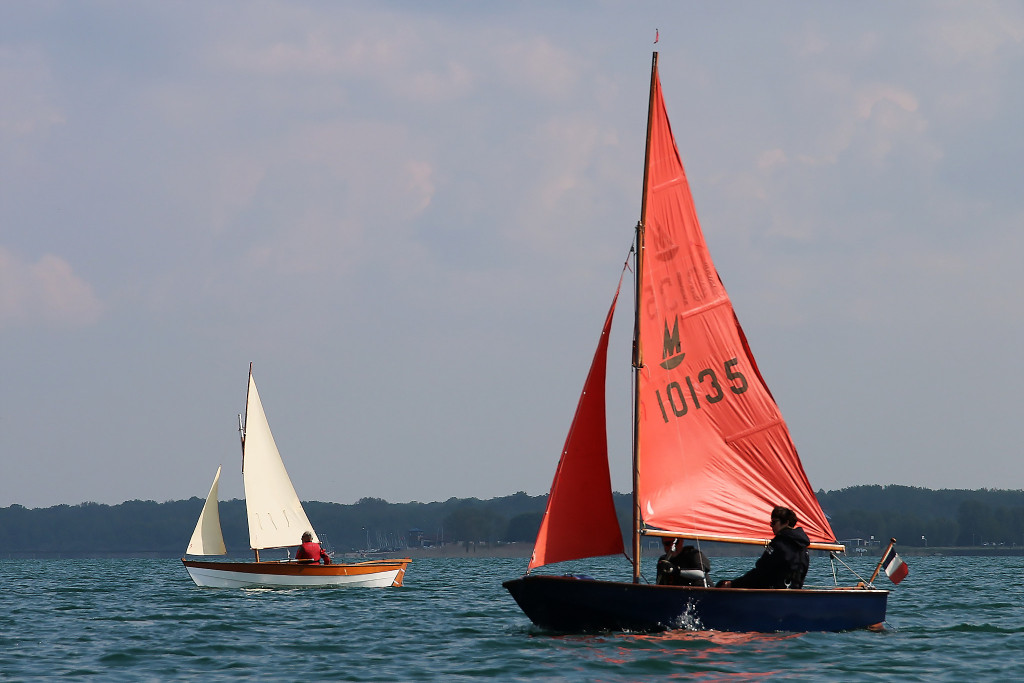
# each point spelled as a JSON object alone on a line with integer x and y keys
{"x": 953, "y": 618}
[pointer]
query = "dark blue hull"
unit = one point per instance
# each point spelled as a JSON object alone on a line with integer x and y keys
{"x": 574, "y": 605}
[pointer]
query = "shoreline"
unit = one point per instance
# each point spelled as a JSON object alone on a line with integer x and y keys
{"x": 513, "y": 550}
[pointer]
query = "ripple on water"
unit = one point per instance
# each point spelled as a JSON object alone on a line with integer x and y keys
{"x": 453, "y": 621}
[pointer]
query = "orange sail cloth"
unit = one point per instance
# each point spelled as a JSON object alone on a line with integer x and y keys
{"x": 714, "y": 453}
{"x": 580, "y": 518}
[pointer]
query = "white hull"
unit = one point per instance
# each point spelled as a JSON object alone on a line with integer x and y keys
{"x": 223, "y": 575}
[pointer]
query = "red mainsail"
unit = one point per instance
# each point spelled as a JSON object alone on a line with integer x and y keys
{"x": 580, "y": 517}
{"x": 714, "y": 454}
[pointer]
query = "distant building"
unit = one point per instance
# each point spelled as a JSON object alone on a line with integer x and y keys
{"x": 860, "y": 545}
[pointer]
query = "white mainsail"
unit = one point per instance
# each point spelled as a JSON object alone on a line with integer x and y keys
{"x": 207, "y": 539}
{"x": 276, "y": 517}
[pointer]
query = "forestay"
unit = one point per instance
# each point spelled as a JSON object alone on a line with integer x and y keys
{"x": 580, "y": 520}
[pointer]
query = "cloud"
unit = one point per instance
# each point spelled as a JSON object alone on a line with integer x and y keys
{"x": 27, "y": 109}
{"x": 413, "y": 217}
{"x": 538, "y": 66}
{"x": 47, "y": 292}
{"x": 394, "y": 57}
{"x": 983, "y": 34}
{"x": 889, "y": 117}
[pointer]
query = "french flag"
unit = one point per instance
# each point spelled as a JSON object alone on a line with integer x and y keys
{"x": 895, "y": 568}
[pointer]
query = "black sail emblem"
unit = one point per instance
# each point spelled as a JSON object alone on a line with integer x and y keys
{"x": 672, "y": 353}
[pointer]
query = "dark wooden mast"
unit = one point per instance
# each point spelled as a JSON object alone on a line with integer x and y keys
{"x": 638, "y": 356}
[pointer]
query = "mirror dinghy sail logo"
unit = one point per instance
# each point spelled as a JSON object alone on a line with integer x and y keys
{"x": 709, "y": 386}
{"x": 672, "y": 354}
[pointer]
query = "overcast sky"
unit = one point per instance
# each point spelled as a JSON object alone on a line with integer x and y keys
{"x": 411, "y": 218}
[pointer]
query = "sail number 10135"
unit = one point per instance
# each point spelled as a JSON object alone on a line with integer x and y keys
{"x": 707, "y": 381}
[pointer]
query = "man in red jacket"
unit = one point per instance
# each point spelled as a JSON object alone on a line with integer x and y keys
{"x": 311, "y": 551}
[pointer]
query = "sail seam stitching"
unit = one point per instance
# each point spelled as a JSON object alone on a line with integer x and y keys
{"x": 720, "y": 301}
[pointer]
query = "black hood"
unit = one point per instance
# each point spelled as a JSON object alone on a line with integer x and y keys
{"x": 795, "y": 535}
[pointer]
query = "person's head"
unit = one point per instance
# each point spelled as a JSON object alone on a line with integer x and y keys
{"x": 782, "y": 518}
{"x": 306, "y": 537}
{"x": 668, "y": 543}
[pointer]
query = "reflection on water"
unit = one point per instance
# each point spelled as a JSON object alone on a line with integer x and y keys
{"x": 682, "y": 653}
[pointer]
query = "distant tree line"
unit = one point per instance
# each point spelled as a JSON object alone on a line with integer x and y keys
{"x": 141, "y": 528}
{"x": 924, "y": 517}
{"x": 914, "y": 516}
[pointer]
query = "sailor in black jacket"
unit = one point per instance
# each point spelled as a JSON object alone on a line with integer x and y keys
{"x": 682, "y": 565}
{"x": 784, "y": 562}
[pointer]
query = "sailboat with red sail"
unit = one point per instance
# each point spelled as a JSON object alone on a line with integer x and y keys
{"x": 712, "y": 454}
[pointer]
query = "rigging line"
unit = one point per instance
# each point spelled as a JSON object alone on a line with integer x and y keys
{"x": 630, "y": 386}
{"x": 635, "y": 365}
{"x": 702, "y": 567}
{"x": 852, "y": 570}
{"x": 646, "y": 580}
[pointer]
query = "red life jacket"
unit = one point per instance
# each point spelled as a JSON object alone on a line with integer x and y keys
{"x": 308, "y": 551}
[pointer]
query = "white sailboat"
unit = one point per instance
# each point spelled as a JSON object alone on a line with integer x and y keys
{"x": 276, "y": 520}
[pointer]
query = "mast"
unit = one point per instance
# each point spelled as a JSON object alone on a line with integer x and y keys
{"x": 638, "y": 360}
{"x": 241, "y": 424}
{"x": 241, "y": 436}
